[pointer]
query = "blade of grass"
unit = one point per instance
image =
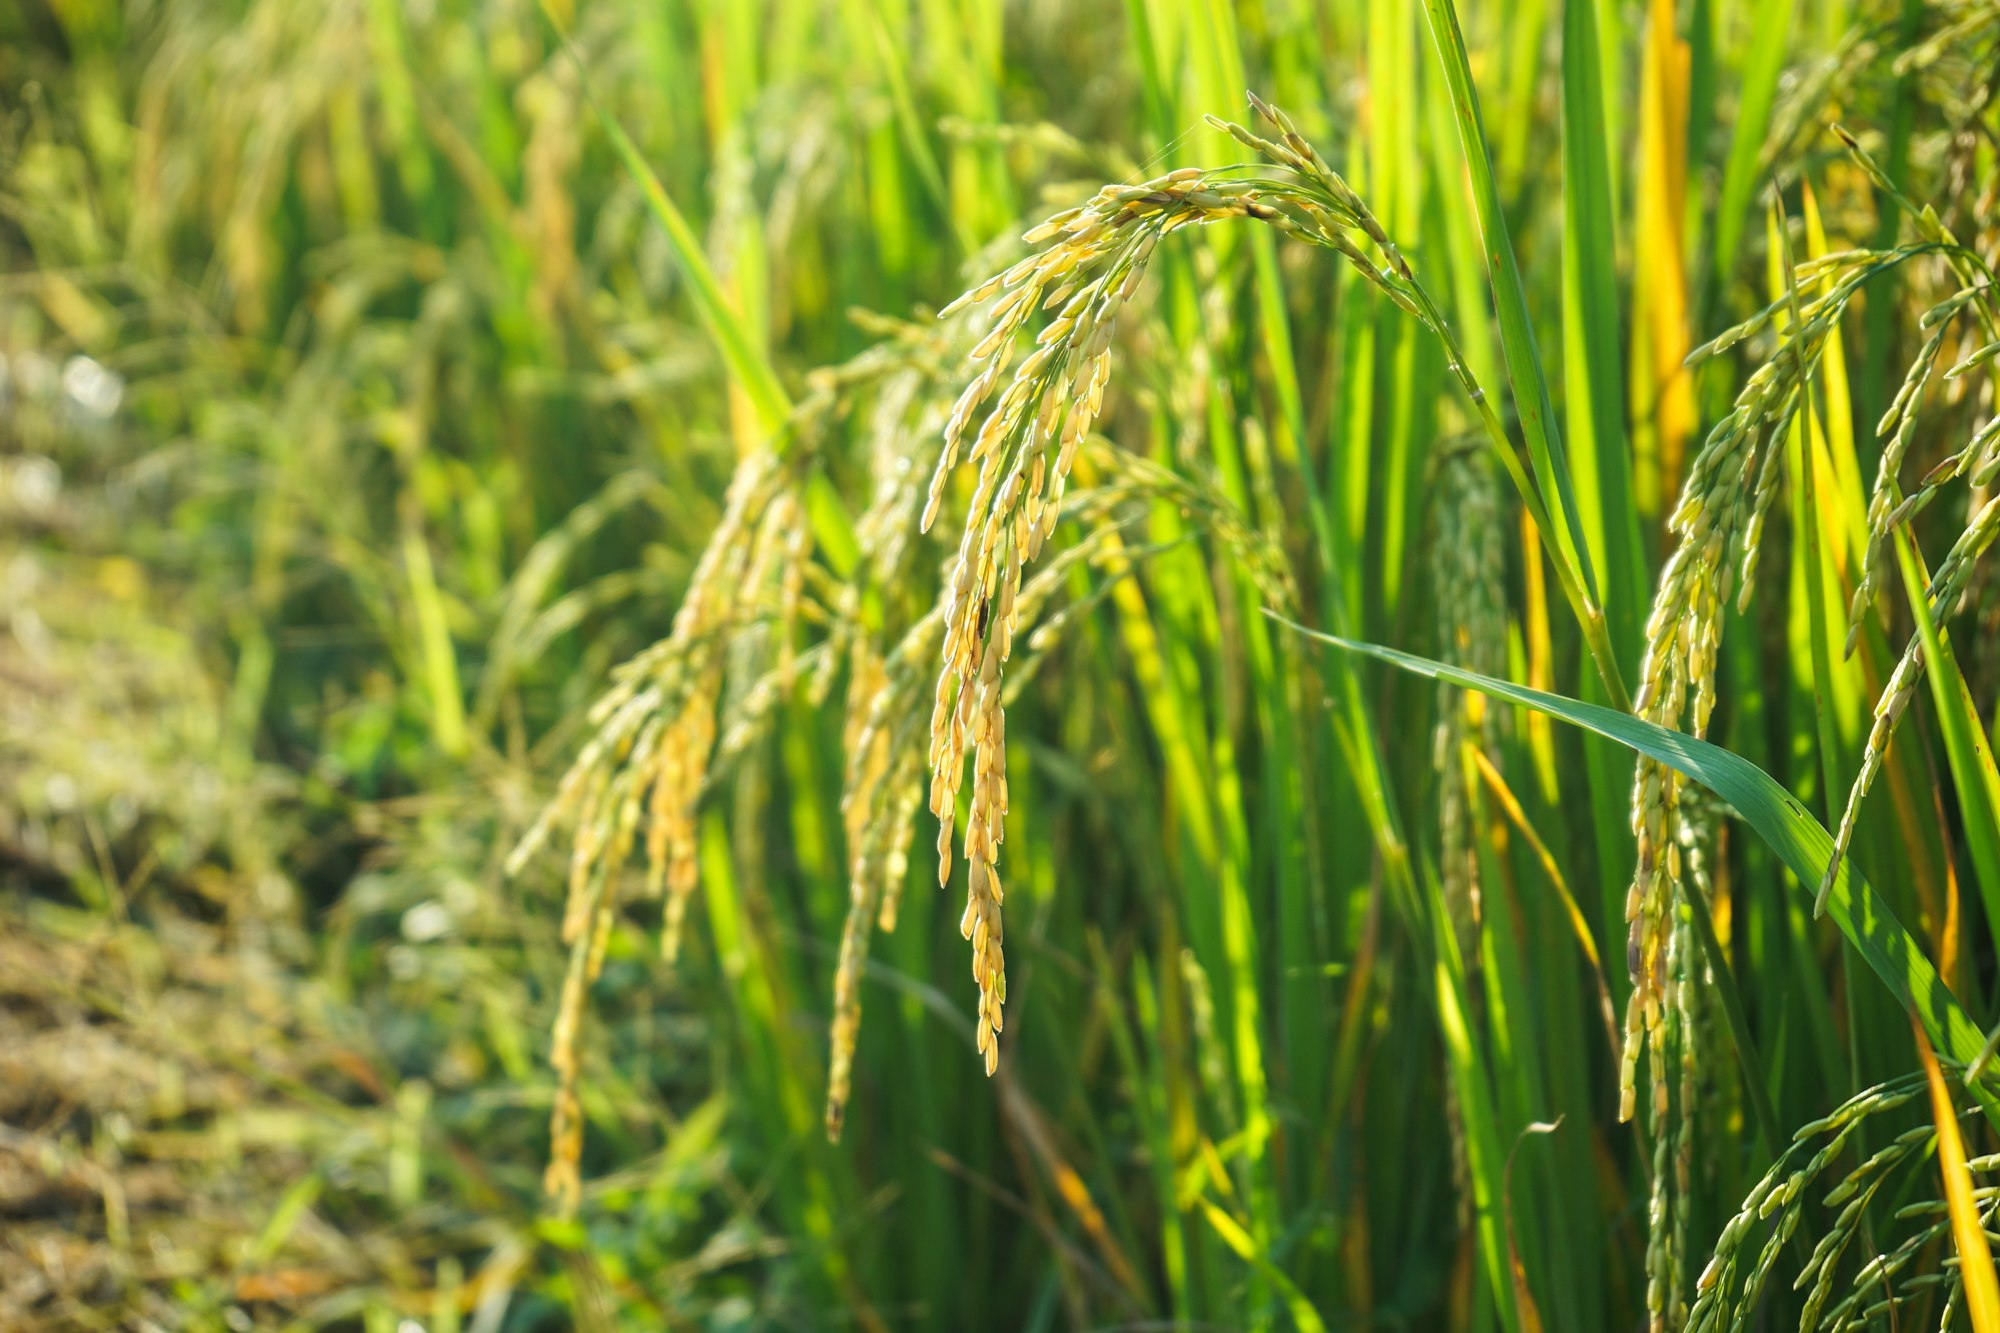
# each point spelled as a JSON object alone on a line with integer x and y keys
{"x": 1304, "y": 1316}
{"x": 1799, "y": 840}
{"x": 1968, "y": 1233}
{"x": 1594, "y": 410}
{"x": 1771, "y": 28}
{"x": 1524, "y": 1057}
{"x": 748, "y": 367}
{"x": 911, "y": 127}
{"x": 1469, "y": 1070}
{"x": 1802, "y": 452}
{"x": 1966, "y": 745}
{"x": 440, "y": 659}
{"x": 1524, "y": 1300}
{"x": 1820, "y": 657}
{"x": 1511, "y": 807}
{"x": 1662, "y": 401}
{"x": 1594, "y": 407}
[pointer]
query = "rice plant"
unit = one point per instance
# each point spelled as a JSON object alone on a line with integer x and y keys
{"x": 520, "y": 517}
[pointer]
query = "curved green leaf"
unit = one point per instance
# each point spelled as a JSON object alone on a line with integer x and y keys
{"x": 1800, "y": 840}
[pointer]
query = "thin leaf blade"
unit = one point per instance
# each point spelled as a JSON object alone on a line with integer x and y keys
{"x": 1798, "y": 839}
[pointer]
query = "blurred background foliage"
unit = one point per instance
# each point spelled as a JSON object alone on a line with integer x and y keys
{"x": 356, "y": 418}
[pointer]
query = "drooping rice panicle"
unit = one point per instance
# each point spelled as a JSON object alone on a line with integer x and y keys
{"x": 1947, "y": 585}
{"x": 1718, "y": 523}
{"x": 699, "y": 697}
{"x": 1023, "y": 449}
{"x": 883, "y": 783}
{"x": 1898, "y": 425}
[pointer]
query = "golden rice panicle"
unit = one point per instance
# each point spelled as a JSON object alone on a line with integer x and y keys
{"x": 1670, "y": 1199}
{"x": 1718, "y": 522}
{"x": 1898, "y": 424}
{"x": 675, "y": 796}
{"x": 1663, "y": 1260}
{"x": 1677, "y": 689}
{"x": 1947, "y": 585}
{"x": 866, "y": 745}
{"x": 1032, "y": 419}
{"x": 639, "y": 779}
{"x": 978, "y": 711}
{"x": 645, "y": 765}
{"x": 880, "y": 791}
{"x": 561, "y": 1179}
{"x": 1688, "y": 982}
{"x": 1763, "y": 496}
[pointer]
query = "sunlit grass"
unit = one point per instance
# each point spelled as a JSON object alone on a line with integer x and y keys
{"x": 406, "y": 406}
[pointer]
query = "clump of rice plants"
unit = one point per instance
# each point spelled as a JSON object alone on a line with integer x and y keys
{"x": 516, "y": 518}
{"x": 1090, "y": 267}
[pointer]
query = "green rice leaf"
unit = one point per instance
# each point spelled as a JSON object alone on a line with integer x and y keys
{"x": 746, "y": 362}
{"x": 1966, "y": 747}
{"x": 1762, "y": 64}
{"x": 1799, "y": 840}
{"x": 1236, "y": 1238}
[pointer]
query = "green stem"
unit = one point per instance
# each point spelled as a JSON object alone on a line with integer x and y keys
{"x": 1590, "y": 616}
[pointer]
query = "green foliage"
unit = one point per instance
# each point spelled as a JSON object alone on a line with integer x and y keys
{"x": 404, "y": 406}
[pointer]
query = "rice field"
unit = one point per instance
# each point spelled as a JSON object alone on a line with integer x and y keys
{"x": 1016, "y": 664}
